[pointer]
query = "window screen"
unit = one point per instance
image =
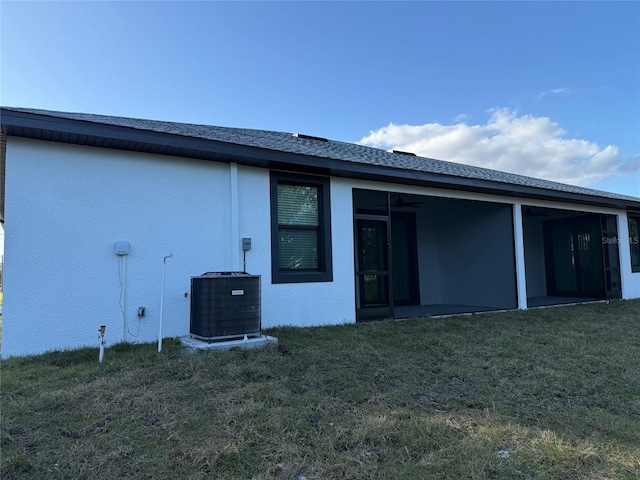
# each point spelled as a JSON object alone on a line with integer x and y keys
{"x": 301, "y": 240}
{"x": 298, "y": 227}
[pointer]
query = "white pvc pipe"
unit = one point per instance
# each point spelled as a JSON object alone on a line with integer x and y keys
{"x": 123, "y": 295}
{"x": 164, "y": 263}
{"x": 101, "y": 356}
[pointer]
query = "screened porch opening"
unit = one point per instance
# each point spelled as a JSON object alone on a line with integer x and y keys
{"x": 570, "y": 256}
{"x": 419, "y": 255}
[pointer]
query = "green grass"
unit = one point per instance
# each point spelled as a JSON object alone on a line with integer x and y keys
{"x": 543, "y": 394}
{"x": 1, "y": 298}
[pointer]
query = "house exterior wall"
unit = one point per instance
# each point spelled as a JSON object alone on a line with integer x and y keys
{"x": 66, "y": 205}
{"x": 299, "y": 304}
{"x": 630, "y": 280}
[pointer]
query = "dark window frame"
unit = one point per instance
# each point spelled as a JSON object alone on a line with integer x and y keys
{"x": 634, "y": 241}
{"x": 324, "y": 273}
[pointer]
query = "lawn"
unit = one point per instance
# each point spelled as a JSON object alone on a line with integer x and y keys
{"x": 542, "y": 394}
{"x": 1, "y": 298}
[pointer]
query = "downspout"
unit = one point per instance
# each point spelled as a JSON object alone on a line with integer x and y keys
{"x": 518, "y": 239}
{"x": 234, "y": 220}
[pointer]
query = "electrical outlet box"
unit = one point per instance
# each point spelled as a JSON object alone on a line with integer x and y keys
{"x": 122, "y": 247}
{"x": 246, "y": 244}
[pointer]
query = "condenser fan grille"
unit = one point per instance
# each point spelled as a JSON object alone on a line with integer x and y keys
{"x": 225, "y": 305}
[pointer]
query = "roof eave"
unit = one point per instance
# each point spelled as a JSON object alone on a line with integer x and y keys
{"x": 82, "y": 132}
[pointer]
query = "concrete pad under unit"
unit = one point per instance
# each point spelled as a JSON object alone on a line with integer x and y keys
{"x": 245, "y": 344}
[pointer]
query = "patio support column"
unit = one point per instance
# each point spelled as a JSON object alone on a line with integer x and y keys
{"x": 234, "y": 218}
{"x": 624, "y": 253}
{"x": 518, "y": 238}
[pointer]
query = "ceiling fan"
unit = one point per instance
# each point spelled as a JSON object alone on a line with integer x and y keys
{"x": 402, "y": 203}
{"x": 530, "y": 212}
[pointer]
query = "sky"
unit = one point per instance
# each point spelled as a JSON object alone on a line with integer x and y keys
{"x": 545, "y": 89}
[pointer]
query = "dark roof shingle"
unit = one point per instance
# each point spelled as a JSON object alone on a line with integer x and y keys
{"x": 334, "y": 150}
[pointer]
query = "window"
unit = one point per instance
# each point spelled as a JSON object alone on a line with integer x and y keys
{"x": 634, "y": 241}
{"x": 300, "y": 229}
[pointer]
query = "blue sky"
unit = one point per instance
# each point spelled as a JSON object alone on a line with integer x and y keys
{"x": 545, "y": 89}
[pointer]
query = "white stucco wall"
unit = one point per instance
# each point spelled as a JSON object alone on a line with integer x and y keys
{"x": 66, "y": 205}
{"x": 630, "y": 280}
{"x": 303, "y": 304}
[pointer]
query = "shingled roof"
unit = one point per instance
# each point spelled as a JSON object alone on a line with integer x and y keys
{"x": 285, "y": 150}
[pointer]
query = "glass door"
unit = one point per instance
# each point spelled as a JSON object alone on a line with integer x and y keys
{"x": 373, "y": 274}
{"x": 575, "y": 257}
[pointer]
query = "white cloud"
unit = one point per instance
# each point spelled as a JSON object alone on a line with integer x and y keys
{"x": 554, "y": 91}
{"x": 525, "y": 144}
{"x": 560, "y": 90}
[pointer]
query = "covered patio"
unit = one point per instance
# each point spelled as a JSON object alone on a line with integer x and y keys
{"x": 420, "y": 255}
{"x": 568, "y": 258}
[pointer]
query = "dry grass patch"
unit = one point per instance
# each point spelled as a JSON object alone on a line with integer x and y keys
{"x": 544, "y": 394}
